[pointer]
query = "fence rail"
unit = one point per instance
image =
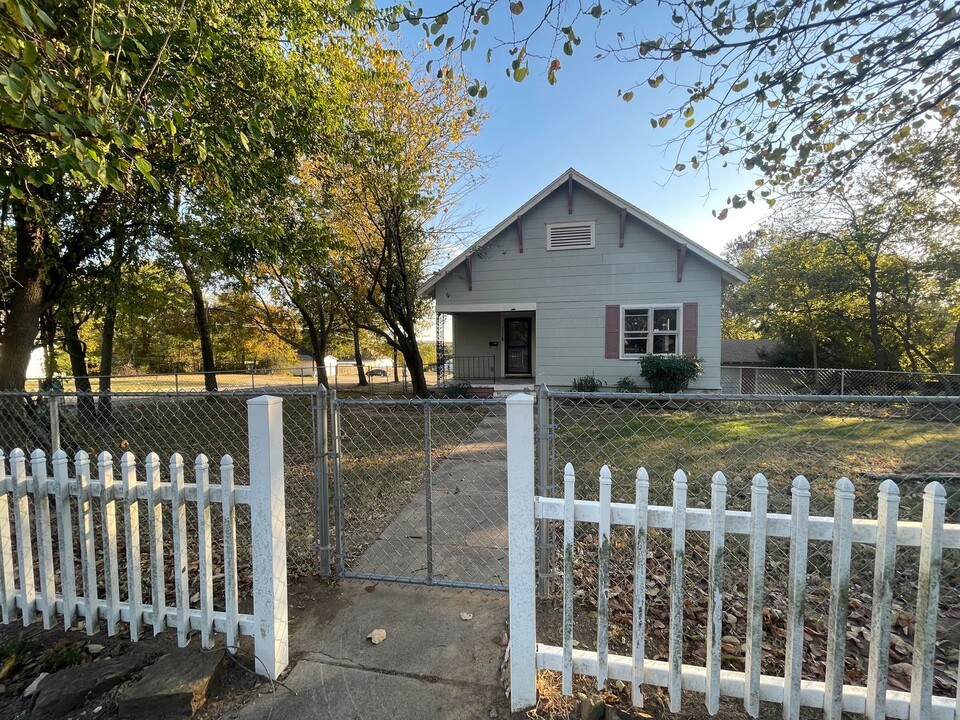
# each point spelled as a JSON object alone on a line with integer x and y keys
{"x": 74, "y": 524}
{"x": 931, "y": 535}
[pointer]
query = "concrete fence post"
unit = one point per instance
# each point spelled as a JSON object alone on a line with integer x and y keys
{"x": 269, "y": 534}
{"x": 522, "y": 555}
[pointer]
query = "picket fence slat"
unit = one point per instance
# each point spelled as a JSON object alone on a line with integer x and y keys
{"x": 68, "y": 568}
{"x": 718, "y": 505}
{"x": 888, "y": 510}
{"x": 642, "y": 490}
{"x": 178, "y": 523}
{"x": 88, "y": 548}
{"x": 41, "y": 516}
{"x": 569, "y": 499}
{"x": 603, "y": 577}
{"x": 131, "y": 543}
{"x": 21, "y": 519}
{"x": 675, "y": 651}
{"x": 158, "y": 581}
{"x": 231, "y": 613}
{"x": 108, "y": 530}
{"x": 755, "y": 595}
{"x": 204, "y": 551}
{"x": 839, "y": 600}
{"x": 928, "y": 597}
{"x": 796, "y": 597}
{"x": 8, "y": 588}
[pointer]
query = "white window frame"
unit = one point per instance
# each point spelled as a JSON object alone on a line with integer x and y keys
{"x": 651, "y": 331}
{"x": 572, "y": 223}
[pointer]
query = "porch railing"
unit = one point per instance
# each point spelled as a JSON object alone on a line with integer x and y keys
{"x": 474, "y": 367}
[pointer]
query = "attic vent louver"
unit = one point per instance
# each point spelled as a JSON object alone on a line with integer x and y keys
{"x": 570, "y": 236}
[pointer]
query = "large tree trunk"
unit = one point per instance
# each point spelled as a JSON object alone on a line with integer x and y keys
{"x": 357, "y": 358}
{"x": 29, "y": 299}
{"x": 406, "y": 342}
{"x": 77, "y": 352}
{"x": 318, "y": 344}
{"x": 202, "y": 319}
{"x": 110, "y": 324}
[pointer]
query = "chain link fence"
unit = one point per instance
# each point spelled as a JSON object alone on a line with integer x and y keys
{"x": 213, "y": 424}
{"x": 912, "y": 440}
{"x": 381, "y": 380}
{"x": 834, "y": 381}
{"x": 421, "y": 491}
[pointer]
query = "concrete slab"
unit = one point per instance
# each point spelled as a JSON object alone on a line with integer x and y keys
{"x": 334, "y": 691}
{"x": 425, "y": 635}
{"x": 432, "y": 663}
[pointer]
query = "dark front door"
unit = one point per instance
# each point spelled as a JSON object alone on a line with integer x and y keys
{"x": 518, "y": 341}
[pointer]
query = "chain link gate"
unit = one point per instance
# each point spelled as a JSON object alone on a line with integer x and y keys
{"x": 420, "y": 490}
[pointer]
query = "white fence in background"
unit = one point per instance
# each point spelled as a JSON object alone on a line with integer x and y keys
{"x": 759, "y": 380}
{"x": 931, "y": 535}
{"x": 29, "y": 553}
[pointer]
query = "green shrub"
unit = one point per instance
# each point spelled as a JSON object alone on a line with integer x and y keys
{"x": 458, "y": 389}
{"x": 627, "y": 385}
{"x": 670, "y": 373}
{"x": 587, "y": 384}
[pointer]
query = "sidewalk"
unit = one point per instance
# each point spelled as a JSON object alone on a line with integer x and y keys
{"x": 432, "y": 663}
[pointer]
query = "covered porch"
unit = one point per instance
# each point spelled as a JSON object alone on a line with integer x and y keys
{"x": 492, "y": 345}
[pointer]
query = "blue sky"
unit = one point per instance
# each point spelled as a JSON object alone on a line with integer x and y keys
{"x": 535, "y": 131}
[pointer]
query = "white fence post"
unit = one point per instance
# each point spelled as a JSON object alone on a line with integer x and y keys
{"x": 522, "y": 555}
{"x": 269, "y": 534}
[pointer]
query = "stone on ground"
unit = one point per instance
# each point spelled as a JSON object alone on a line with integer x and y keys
{"x": 62, "y": 691}
{"x": 173, "y": 687}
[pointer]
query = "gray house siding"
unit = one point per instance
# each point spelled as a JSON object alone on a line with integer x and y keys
{"x": 571, "y": 288}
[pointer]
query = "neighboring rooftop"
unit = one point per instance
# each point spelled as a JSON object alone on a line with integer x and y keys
{"x": 746, "y": 352}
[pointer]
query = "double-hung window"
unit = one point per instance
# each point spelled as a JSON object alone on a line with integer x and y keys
{"x": 650, "y": 330}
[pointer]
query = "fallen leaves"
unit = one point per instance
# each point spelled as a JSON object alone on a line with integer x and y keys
{"x": 377, "y": 636}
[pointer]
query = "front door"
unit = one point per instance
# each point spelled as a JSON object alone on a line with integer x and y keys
{"x": 517, "y": 336}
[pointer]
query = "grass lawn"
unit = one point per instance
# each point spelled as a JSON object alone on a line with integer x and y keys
{"x": 781, "y": 443}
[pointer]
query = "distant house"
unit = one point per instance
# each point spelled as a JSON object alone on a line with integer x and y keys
{"x": 751, "y": 353}
{"x": 580, "y": 281}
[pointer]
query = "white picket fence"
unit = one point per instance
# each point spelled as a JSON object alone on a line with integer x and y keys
{"x": 79, "y": 596}
{"x": 874, "y": 700}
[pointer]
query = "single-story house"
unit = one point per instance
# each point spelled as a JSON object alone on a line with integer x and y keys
{"x": 579, "y": 281}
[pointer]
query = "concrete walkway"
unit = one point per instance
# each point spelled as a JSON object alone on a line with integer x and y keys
{"x": 432, "y": 664}
{"x": 469, "y": 501}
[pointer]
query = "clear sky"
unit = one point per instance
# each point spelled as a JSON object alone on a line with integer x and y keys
{"x": 535, "y": 131}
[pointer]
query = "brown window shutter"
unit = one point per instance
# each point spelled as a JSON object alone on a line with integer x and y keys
{"x": 690, "y": 328}
{"x": 611, "y": 345}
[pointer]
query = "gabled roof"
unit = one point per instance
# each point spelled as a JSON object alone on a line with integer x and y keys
{"x": 729, "y": 272}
